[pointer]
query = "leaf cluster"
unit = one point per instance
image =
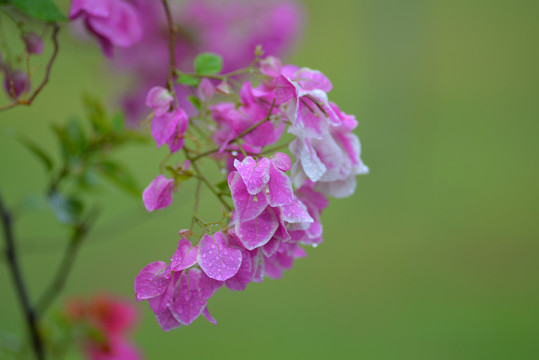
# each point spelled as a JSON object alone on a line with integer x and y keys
{"x": 85, "y": 157}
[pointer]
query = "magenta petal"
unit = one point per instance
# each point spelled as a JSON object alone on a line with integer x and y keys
{"x": 160, "y": 303}
{"x": 208, "y": 316}
{"x": 158, "y": 194}
{"x": 151, "y": 281}
{"x": 254, "y": 175}
{"x": 164, "y": 127}
{"x": 218, "y": 261}
{"x": 257, "y": 232}
{"x": 243, "y": 277}
{"x": 280, "y": 188}
{"x": 185, "y": 256}
{"x": 188, "y": 304}
{"x": 167, "y": 321}
{"x": 122, "y": 27}
{"x": 247, "y": 206}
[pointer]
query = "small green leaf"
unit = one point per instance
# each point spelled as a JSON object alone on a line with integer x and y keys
{"x": 96, "y": 115}
{"x": 222, "y": 185}
{"x": 118, "y": 122}
{"x": 38, "y": 152}
{"x": 72, "y": 139}
{"x": 66, "y": 209}
{"x": 45, "y": 10}
{"x": 208, "y": 64}
{"x": 187, "y": 80}
{"x": 195, "y": 101}
{"x": 118, "y": 175}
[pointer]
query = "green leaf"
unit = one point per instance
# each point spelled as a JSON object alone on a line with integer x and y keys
{"x": 96, "y": 115}
{"x": 45, "y": 10}
{"x": 38, "y": 152}
{"x": 208, "y": 64}
{"x": 118, "y": 175}
{"x": 195, "y": 101}
{"x": 66, "y": 209}
{"x": 223, "y": 187}
{"x": 72, "y": 139}
{"x": 187, "y": 80}
{"x": 118, "y": 122}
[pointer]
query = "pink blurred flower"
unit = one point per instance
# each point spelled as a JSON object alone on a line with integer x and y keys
{"x": 107, "y": 322}
{"x": 113, "y": 22}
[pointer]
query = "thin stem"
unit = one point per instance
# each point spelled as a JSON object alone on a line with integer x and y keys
{"x": 11, "y": 253}
{"x": 63, "y": 271}
{"x": 206, "y": 182}
{"x": 197, "y": 200}
{"x": 239, "y": 137}
{"x": 28, "y": 102}
{"x": 171, "y": 48}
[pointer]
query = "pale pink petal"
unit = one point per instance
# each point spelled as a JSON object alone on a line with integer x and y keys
{"x": 296, "y": 212}
{"x": 312, "y": 79}
{"x": 159, "y": 99}
{"x": 281, "y": 161}
{"x": 158, "y": 194}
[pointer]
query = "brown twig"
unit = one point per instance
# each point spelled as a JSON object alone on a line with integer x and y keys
{"x": 11, "y": 253}
{"x": 239, "y": 137}
{"x": 171, "y": 48}
{"x": 28, "y": 102}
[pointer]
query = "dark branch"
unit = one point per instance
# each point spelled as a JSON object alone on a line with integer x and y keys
{"x": 13, "y": 263}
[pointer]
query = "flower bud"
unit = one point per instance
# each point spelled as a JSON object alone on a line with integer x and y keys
{"x": 15, "y": 83}
{"x": 159, "y": 99}
{"x": 223, "y": 88}
{"x": 34, "y": 44}
{"x": 205, "y": 90}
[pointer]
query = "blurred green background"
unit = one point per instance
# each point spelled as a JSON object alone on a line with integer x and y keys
{"x": 436, "y": 256}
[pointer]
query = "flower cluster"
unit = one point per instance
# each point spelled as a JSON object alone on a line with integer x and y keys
{"x": 133, "y": 29}
{"x": 277, "y": 202}
{"x": 105, "y": 323}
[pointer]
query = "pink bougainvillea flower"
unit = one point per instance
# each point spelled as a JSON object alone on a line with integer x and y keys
{"x": 218, "y": 260}
{"x": 178, "y": 293}
{"x": 113, "y": 22}
{"x": 33, "y": 43}
{"x": 159, "y": 99}
{"x": 169, "y": 128}
{"x": 158, "y": 194}
{"x": 332, "y": 160}
{"x": 112, "y": 318}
